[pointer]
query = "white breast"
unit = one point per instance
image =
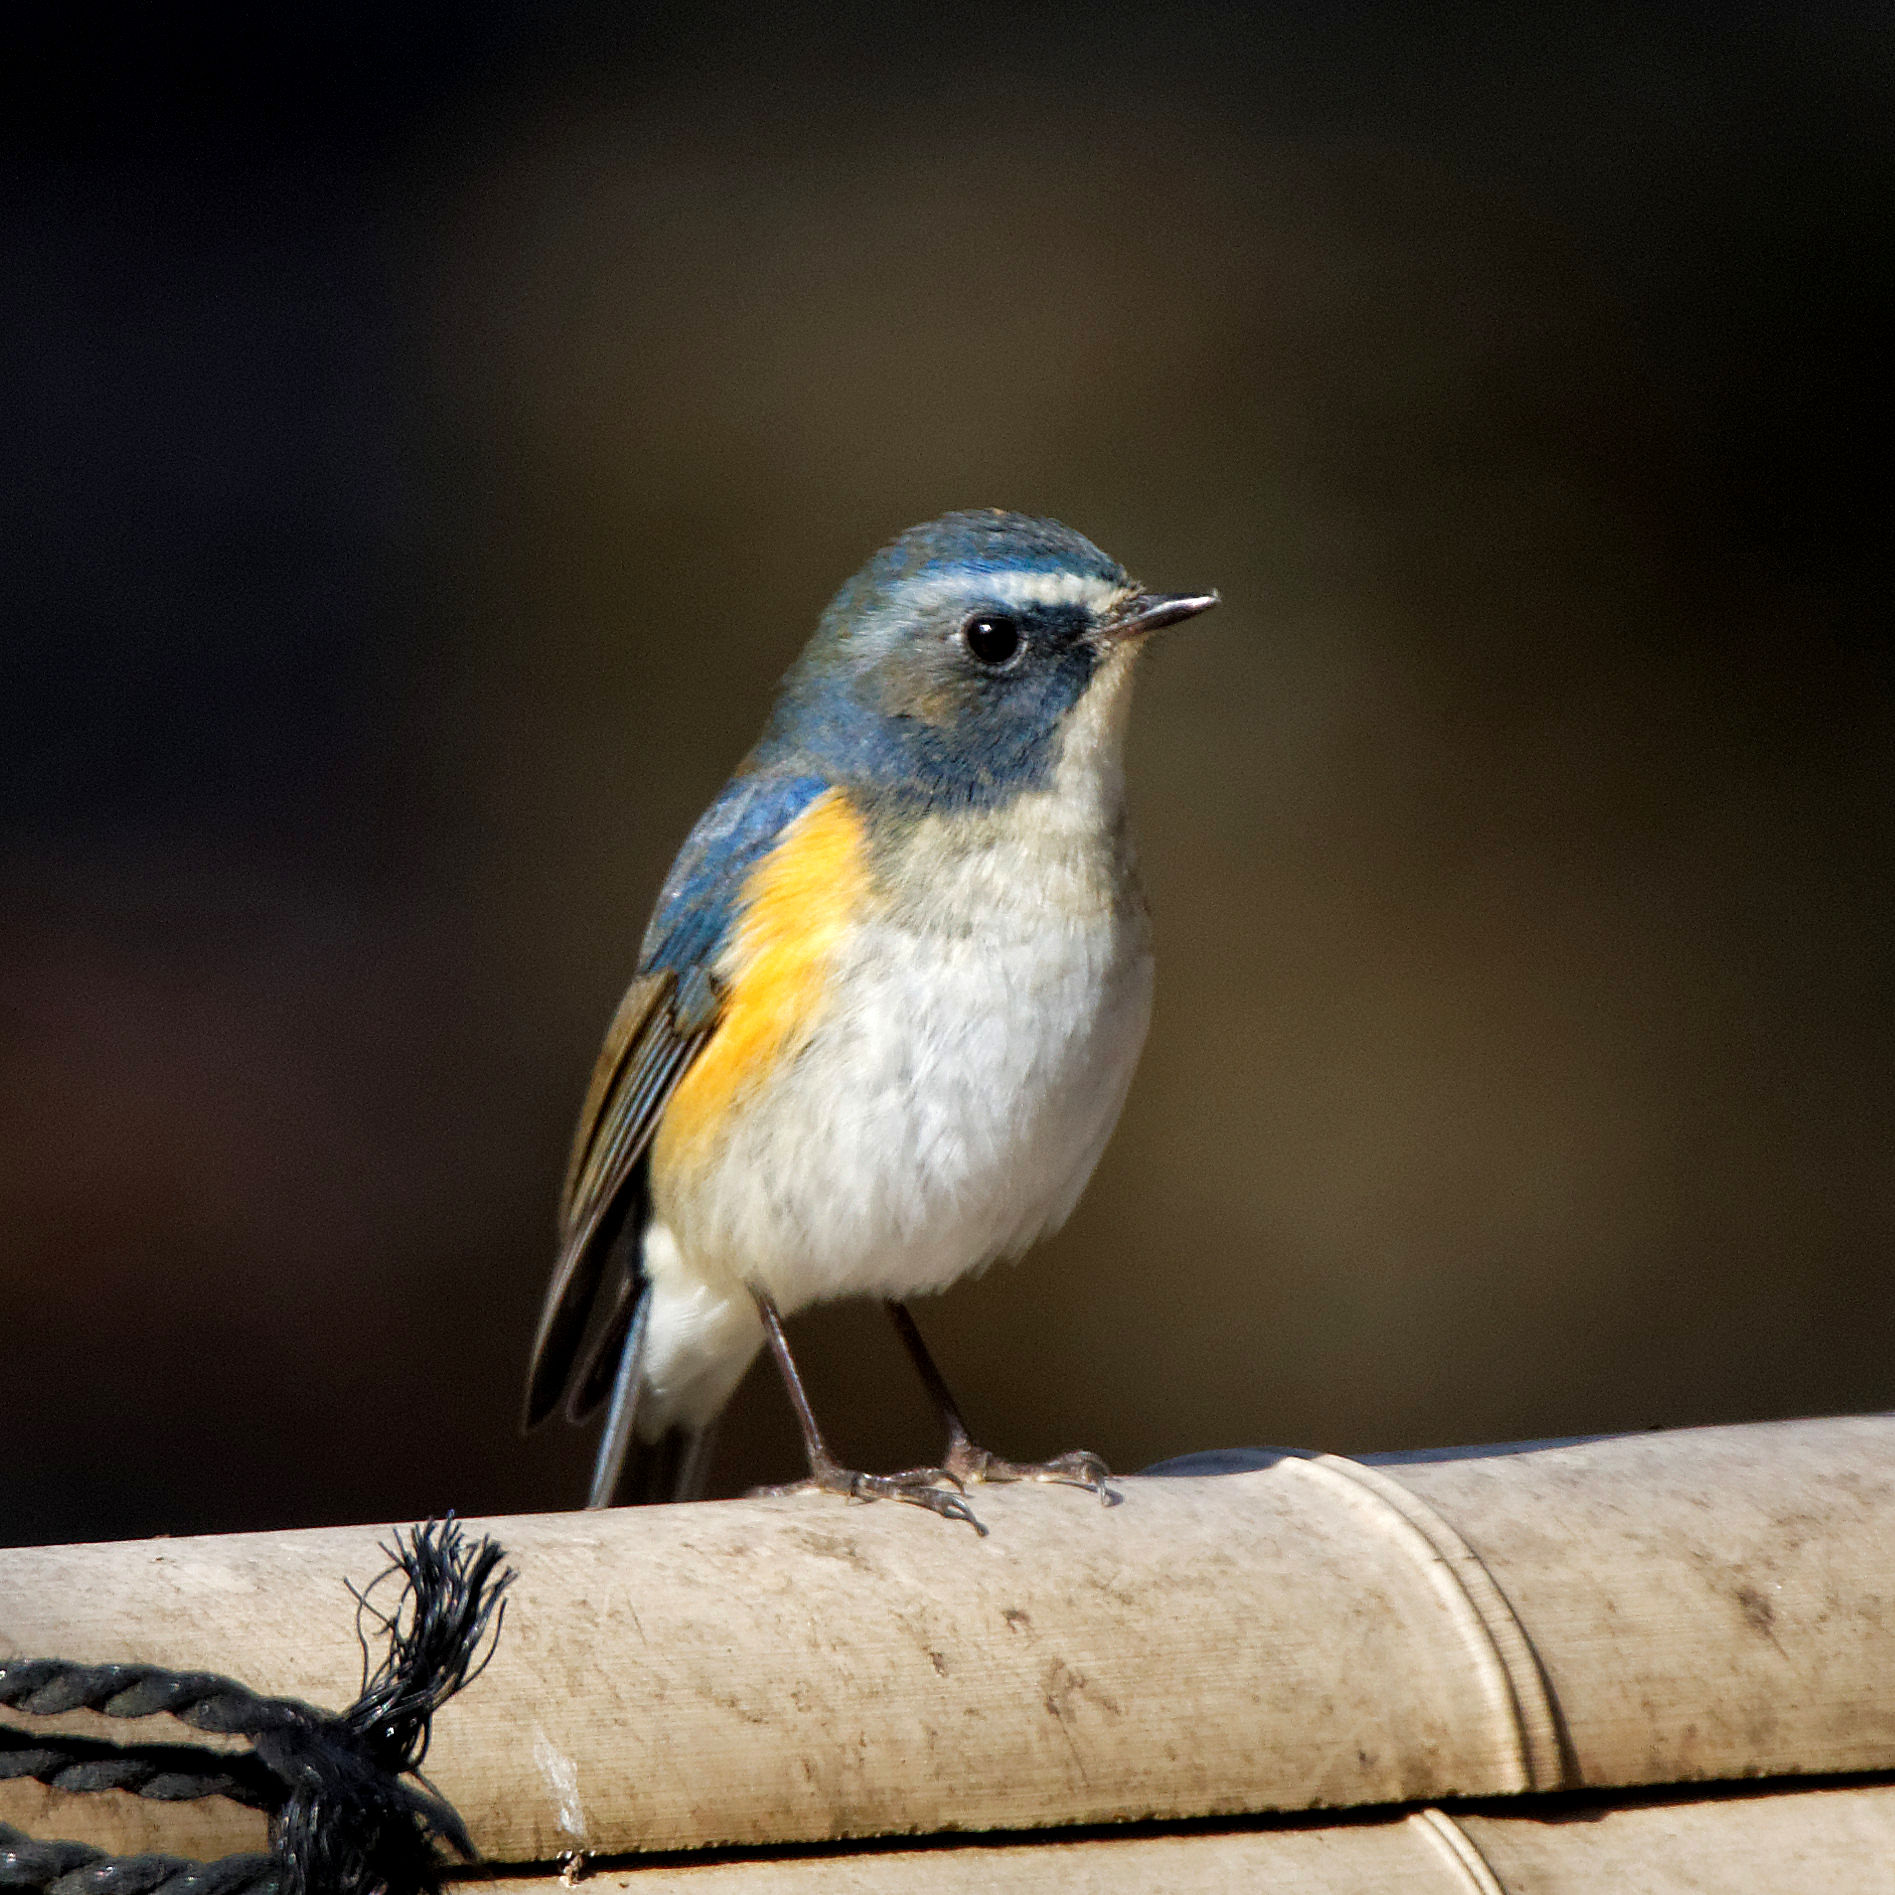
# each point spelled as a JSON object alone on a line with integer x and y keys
{"x": 955, "y": 1098}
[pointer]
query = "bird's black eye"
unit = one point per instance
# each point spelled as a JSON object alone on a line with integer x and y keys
{"x": 993, "y": 640}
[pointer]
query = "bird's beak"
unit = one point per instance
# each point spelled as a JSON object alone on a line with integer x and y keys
{"x": 1149, "y": 611}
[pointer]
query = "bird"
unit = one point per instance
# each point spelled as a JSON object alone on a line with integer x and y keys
{"x": 885, "y": 1013}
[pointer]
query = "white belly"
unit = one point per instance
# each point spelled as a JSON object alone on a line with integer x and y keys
{"x": 948, "y": 1110}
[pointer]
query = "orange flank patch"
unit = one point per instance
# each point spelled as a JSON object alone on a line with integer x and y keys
{"x": 796, "y": 903}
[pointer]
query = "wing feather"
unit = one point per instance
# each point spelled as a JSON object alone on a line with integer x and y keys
{"x": 667, "y": 1016}
{"x": 629, "y": 1025}
{"x": 645, "y": 1054}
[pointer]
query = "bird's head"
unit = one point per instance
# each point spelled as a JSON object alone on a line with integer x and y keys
{"x": 959, "y": 664}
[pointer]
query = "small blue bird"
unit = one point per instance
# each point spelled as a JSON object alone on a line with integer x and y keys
{"x": 886, "y": 1011}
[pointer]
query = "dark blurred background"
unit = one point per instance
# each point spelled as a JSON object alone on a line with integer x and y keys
{"x": 428, "y": 430}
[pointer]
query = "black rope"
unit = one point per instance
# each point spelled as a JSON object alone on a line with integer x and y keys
{"x": 343, "y": 1818}
{"x": 75, "y": 1868}
{"x": 168, "y": 1773}
{"x": 50, "y": 1686}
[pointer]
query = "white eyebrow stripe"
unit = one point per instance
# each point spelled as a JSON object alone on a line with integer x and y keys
{"x": 1053, "y": 588}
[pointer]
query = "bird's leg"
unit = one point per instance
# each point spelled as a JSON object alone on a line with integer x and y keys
{"x": 967, "y": 1462}
{"x": 919, "y": 1486}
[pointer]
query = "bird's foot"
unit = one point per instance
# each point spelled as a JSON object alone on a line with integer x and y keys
{"x": 1080, "y": 1468}
{"x": 918, "y": 1486}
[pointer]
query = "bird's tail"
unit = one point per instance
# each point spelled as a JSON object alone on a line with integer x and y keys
{"x": 676, "y": 1465}
{"x": 621, "y": 1416}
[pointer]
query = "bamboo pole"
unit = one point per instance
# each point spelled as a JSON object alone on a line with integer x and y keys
{"x": 1647, "y": 1609}
{"x": 1818, "y": 1842}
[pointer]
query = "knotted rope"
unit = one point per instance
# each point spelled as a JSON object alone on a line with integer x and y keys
{"x": 344, "y": 1819}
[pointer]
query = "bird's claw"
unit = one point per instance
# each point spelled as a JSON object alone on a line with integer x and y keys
{"x": 918, "y": 1486}
{"x": 1080, "y": 1468}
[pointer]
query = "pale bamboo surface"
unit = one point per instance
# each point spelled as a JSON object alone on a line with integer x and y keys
{"x": 1818, "y": 1842}
{"x": 1649, "y": 1609}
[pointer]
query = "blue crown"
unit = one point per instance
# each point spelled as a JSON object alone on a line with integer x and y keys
{"x": 985, "y": 539}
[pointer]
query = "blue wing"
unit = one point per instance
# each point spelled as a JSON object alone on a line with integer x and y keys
{"x": 699, "y": 899}
{"x": 668, "y": 1013}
